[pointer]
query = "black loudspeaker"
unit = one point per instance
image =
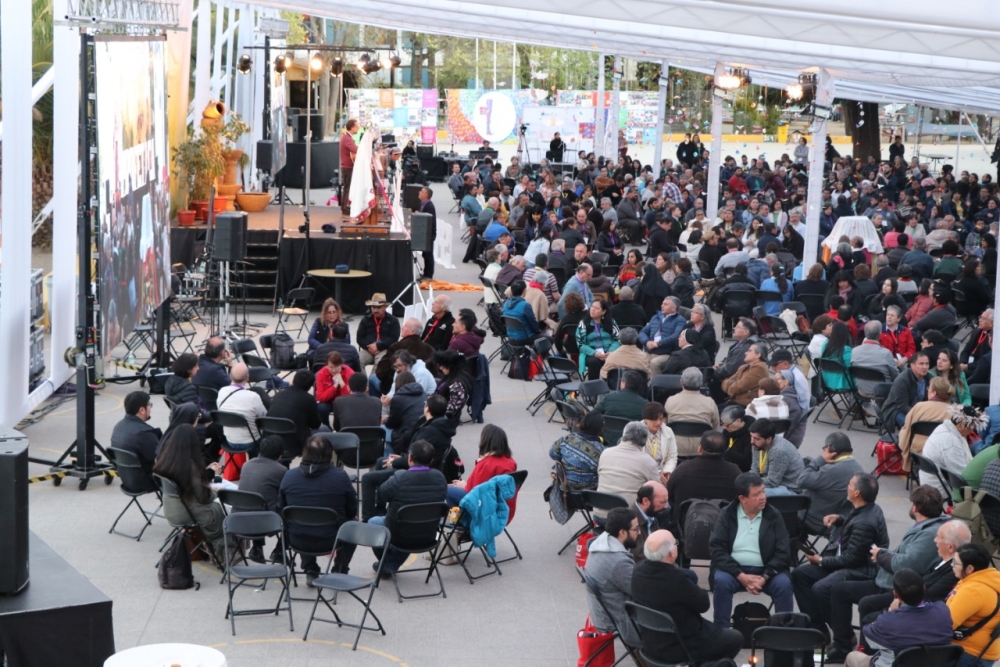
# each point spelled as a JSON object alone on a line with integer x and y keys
{"x": 13, "y": 515}
{"x": 421, "y": 232}
{"x": 325, "y": 163}
{"x": 411, "y": 196}
{"x": 316, "y": 123}
{"x": 425, "y": 151}
{"x": 264, "y": 151}
{"x": 230, "y": 237}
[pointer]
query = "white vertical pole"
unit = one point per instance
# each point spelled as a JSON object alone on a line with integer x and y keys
{"x": 712, "y": 191}
{"x": 513, "y": 66}
{"x": 231, "y": 72}
{"x": 494, "y": 65}
{"x": 477, "y": 63}
{"x": 817, "y": 158}
{"x": 599, "y": 129}
{"x": 217, "y": 52}
{"x": 958, "y": 139}
{"x": 15, "y": 86}
{"x": 202, "y": 59}
{"x": 611, "y": 132}
{"x": 65, "y": 171}
{"x": 661, "y": 116}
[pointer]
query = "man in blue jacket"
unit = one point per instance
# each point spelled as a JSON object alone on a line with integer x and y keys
{"x": 659, "y": 337}
{"x": 519, "y": 309}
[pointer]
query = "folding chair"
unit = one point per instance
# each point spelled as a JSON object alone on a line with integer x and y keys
{"x": 557, "y": 373}
{"x": 136, "y": 483}
{"x": 208, "y": 397}
{"x": 955, "y": 480}
{"x": 298, "y": 306}
{"x": 772, "y": 638}
{"x": 980, "y": 395}
{"x": 233, "y": 420}
{"x": 660, "y": 622}
{"x": 943, "y": 655}
{"x": 793, "y": 510}
{"x": 630, "y": 652}
{"x": 316, "y": 518}
{"x": 842, "y": 401}
{"x": 242, "y": 345}
{"x": 615, "y": 376}
{"x": 256, "y": 525}
{"x": 490, "y": 286}
{"x": 662, "y": 387}
{"x": 591, "y": 392}
{"x": 276, "y": 426}
{"x": 863, "y": 377}
{"x": 571, "y": 414}
{"x": 781, "y": 337}
{"x": 814, "y": 303}
{"x": 360, "y": 535}
{"x": 371, "y": 447}
{"x": 169, "y": 489}
{"x": 689, "y": 550}
{"x": 692, "y": 429}
{"x": 518, "y": 348}
{"x": 920, "y": 463}
{"x": 416, "y": 529}
{"x": 924, "y": 428}
{"x": 586, "y": 502}
{"x": 519, "y": 476}
{"x": 616, "y": 424}
{"x": 495, "y": 323}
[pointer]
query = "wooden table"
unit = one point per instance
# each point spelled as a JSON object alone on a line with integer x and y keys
{"x": 336, "y": 277}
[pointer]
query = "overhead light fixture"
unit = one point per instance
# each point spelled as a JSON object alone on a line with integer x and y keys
{"x": 803, "y": 87}
{"x": 395, "y": 61}
{"x": 794, "y": 91}
{"x": 243, "y": 65}
{"x": 282, "y": 63}
{"x": 337, "y": 66}
{"x": 363, "y": 60}
{"x": 735, "y": 78}
{"x": 371, "y": 67}
{"x": 316, "y": 62}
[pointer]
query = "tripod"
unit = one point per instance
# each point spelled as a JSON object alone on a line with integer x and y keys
{"x": 523, "y": 152}
{"x": 415, "y": 286}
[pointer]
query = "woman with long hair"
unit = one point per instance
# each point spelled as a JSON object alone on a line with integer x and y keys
{"x": 665, "y": 265}
{"x": 180, "y": 461}
{"x": 777, "y": 215}
{"x": 921, "y": 304}
{"x": 844, "y": 286}
{"x": 185, "y": 413}
{"x": 946, "y": 366}
{"x": 978, "y": 295}
{"x": 793, "y": 242}
{"x": 778, "y": 282}
{"x": 321, "y": 332}
{"x": 837, "y": 348}
{"x": 608, "y": 241}
{"x": 887, "y": 296}
{"x": 814, "y": 283}
{"x": 632, "y": 260}
{"x": 841, "y": 260}
{"x": 596, "y": 338}
{"x": 494, "y": 459}
{"x": 455, "y": 384}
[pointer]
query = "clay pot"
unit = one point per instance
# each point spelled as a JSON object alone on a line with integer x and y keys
{"x": 253, "y": 202}
{"x": 232, "y": 165}
{"x": 200, "y": 209}
{"x": 185, "y": 218}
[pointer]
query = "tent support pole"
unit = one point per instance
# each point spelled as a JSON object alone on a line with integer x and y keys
{"x": 817, "y": 160}
{"x": 599, "y": 133}
{"x": 712, "y": 192}
{"x": 661, "y": 113}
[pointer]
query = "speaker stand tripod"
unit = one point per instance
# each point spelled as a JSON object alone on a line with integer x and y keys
{"x": 418, "y": 296}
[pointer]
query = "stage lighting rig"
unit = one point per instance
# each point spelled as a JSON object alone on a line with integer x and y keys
{"x": 371, "y": 67}
{"x": 337, "y": 66}
{"x": 283, "y": 62}
{"x": 243, "y": 66}
{"x": 363, "y": 61}
{"x": 316, "y": 62}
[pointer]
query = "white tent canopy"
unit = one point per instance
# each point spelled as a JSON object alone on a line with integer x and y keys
{"x": 926, "y": 45}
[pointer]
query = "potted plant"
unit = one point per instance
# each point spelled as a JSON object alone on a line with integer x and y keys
{"x": 235, "y": 157}
{"x": 198, "y": 162}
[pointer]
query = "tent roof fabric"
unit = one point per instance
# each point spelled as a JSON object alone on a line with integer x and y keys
{"x": 925, "y": 52}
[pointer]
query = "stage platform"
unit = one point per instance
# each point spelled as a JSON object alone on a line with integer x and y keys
{"x": 59, "y": 619}
{"x": 276, "y": 258}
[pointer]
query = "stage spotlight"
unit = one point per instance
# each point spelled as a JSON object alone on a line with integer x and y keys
{"x": 244, "y": 64}
{"x": 282, "y": 63}
{"x": 372, "y": 67}
{"x": 316, "y": 62}
{"x": 337, "y": 66}
{"x": 363, "y": 61}
{"x": 395, "y": 61}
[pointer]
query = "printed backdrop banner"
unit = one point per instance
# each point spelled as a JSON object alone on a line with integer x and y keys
{"x": 405, "y": 113}
{"x": 134, "y": 240}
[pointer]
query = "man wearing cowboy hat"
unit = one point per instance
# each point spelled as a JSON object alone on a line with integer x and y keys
{"x": 377, "y": 331}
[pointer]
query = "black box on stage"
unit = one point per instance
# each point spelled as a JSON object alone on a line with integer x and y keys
{"x": 316, "y": 123}
{"x": 425, "y": 151}
{"x": 230, "y": 237}
{"x": 13, "y": 512}
{"x": 421, "y": 232}
{"x": 411, "y": 196}
{"x": 264, "y": 150}
{"x": 325, "y": 163}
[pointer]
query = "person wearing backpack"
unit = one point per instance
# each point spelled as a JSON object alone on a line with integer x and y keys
{"x": 974, "y": 606}
{"x": 750, "y": 551}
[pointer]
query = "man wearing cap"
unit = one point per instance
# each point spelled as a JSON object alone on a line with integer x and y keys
{"x": 377, "y": 331}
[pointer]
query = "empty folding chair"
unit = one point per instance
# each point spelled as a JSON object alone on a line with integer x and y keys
{"x": 255, "y": 525}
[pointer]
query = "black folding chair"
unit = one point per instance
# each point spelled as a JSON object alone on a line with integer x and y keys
{"x": 585, "y": 502}
{"x": 798, "y": 640}
{"x": 690, "y": 550}
{"x": 191, "y": 528}
{"x": 297, "y": 305}
{"x": 662, "y": 387}
{"x": 614, "y": 424}
{"x": 519, "y": 476}
{"x": 276, "y": 426}
{"x": 659, "y": 622}
{"x": 843, "y": 401}
{"x": 866, "y": 380}
{"x": 615, "y": 376}
{"x": 233, "y": 420}
{"x": 208, "y": 397}
{"x": 591, "y": 391}
{"x": 630, "y": 650}
{"x": 923, "y": 428}
{"x": 255, "y": 525}
{"x": 942, "y": 655}
{"x": 980, "y": 395}
{"x": 136, "y": 483}
{"x": 920, "y": 463}
{"x": 371, "y": 447}
{"x": 361, "y": 535}
{"x": 955, "y": 480}
{"x": 518, "y": 348}
{"x": 793, "y": 510}
{"x": 690, "y": 429}
{"x": 814, "y": 303}
{"x": 557, "y": 372}
{"x": 416, "y": 529}
{"x": 318, "y": 518}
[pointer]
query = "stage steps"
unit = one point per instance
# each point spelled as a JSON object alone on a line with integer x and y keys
{"x": 262, "y": 266}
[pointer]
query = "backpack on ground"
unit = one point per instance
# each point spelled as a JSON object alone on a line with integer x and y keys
{"x": 747, "y": 617}
{"x": 970, "y": 511}
{"x": 701, "y": 517}
{"x": 283, "y": 352}
{"x": 174, "y": 570}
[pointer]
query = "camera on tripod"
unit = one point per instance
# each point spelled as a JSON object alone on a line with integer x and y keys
{"x": 524, "y": 128}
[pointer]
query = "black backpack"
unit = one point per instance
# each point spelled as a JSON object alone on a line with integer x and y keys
{"x": 747, "y": 617}
{"x": 283, "y": 352}
{"x": 174, "y": 570}
{"x": 700, "y": 519}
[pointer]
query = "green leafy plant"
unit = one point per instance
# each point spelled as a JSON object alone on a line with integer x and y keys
{"x": 772, "y": 119}
{"x": 198, "y": 162}
{"x": 230, "y": 134}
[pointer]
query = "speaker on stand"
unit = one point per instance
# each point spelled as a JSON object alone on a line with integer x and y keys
{"x": 230, "y": 246}
{"x": 421, "y": 232}
{"x": 13, "y": 512}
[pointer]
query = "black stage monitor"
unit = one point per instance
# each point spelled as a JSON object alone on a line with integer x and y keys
{"x": 421, "y": 232}
{"x": 425, "y": 151}
{"x": 325, "y": 163}
{"x": 316, "y": 124}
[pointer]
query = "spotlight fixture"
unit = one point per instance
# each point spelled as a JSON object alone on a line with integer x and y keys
{"x": 794, "y": 91}
{"x": 243, "y": 65}
{"x": 337, "y": 66}
{"x": 363, "y": 60}
{"x": 371, "y": 67}
{"x": 803, "y": 87}
{"x": 735, "y": 78}
{"x": 395, "y": 61}
{"x": 316, "y": 62}
{"x": 282, "y": 63}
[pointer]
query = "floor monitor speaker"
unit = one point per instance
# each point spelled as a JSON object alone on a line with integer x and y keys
{"x": 13, "y": 514}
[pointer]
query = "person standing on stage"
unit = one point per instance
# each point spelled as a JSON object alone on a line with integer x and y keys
{"x": 427, "y": 206}
{"x": 348, "y": 151}
{"x": 556, "y": 148}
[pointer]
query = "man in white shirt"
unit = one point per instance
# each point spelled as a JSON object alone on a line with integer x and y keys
{"x": 242, "y": 400}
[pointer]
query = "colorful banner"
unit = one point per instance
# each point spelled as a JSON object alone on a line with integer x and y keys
{"x": 405, "y": 113}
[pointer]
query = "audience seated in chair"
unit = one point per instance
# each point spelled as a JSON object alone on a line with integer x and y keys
{"x": 133, "y": 433}
{"x": 624, "y": 468}
{"x": 626, "y": 403}
{"x": 263, "y": 475}
{"x": 579, "y": 452}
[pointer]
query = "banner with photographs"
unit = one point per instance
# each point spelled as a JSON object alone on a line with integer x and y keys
{"x": 405, "y": 113}
{"x": 134, "y": 239}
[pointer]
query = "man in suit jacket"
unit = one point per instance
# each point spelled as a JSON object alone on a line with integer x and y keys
{"x": 659, "y": 584}
{"x": 690, "y": 354}
{"x": 133, "y": 433}
{"x": 427, "y": 206}
{"x": 650, "y": 503}
{"x": 357, "y": 408}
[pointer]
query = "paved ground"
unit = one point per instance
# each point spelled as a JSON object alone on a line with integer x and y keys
{"x": 529, "y": 616}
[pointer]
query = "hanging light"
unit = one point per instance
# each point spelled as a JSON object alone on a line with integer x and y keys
{"x": 371, "y": 66}
{"x": 243, "y": 65}
{"x": 363, "y": 61}
{"x": 282, "y": 63}
{"x": 337, "y": 66}
{"x": 316, "y": 62}
{"x": 727, "y": 82}
{"x": 794, "y": 91}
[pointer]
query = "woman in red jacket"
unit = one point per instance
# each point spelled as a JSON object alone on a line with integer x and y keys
{"x": 494, "y": 459}
{"x": 895, "y": 337}
{"x": 921, "y": 304}
{"x": 331, "y": 382}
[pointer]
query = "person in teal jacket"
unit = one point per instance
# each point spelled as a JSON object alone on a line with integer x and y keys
{"x": 947, "y": 366}
{"x": 596, "y": 337}
{"x": 838, "y": 348}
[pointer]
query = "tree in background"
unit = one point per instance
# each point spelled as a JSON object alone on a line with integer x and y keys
{"x": 866, "y": 136}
